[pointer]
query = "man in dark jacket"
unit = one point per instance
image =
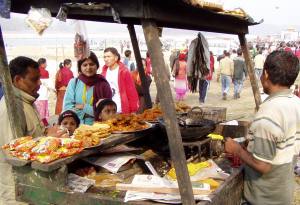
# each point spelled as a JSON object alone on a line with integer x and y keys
{"x": 239, "y": 73}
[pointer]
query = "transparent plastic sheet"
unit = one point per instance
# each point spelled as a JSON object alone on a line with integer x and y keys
{"x": 5, "y": 8}
{"x": 39, "y": 19}
{"x": 81, "y": 44}
{"x": 62, "y": 14}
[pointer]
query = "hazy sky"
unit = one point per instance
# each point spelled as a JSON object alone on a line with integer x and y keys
{"x": 272, "y": 11}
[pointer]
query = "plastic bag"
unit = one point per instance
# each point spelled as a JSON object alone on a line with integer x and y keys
{"x": 39, "y": 19}
{"x": 46, "y": 145}
{"x": 81, "y": 45}
{"x": 46, "y": 158}
{"x": 13, "y": 144}
{"x": 70, "y": 143}
{"x": 26, "y": 147}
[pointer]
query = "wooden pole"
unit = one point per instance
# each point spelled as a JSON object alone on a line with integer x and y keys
{"x": 250, "y": 69}
{"x": 140, "y": 66}
{"x": 15, "y": 118}
{"x": 167, "y": 106}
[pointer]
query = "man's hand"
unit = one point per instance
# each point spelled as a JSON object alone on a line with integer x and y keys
{"x": 232, "y": 147}
{"x": 79, "y": 106}
{"x": 56, "y": 131}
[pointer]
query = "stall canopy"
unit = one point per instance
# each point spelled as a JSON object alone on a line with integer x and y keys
{"x": 151, "y": 14}
{"x": 167, "y": 13}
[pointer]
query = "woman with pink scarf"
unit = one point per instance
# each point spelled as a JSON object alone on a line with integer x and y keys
{"x": 180, "y": 73}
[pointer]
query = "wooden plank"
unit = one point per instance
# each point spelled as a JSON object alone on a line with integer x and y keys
{"x": 42, "y": 196}
{"x": 140, "y": 66}
{"x": 166, "y": 99}
{"x": 152, "y": 189}
{"x": 251, "y": 73}
{"x": 111, "y": 141}
{"x": 15, "y": 114}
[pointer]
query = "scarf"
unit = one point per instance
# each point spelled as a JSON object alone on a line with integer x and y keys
{"x": 101, "y": 86}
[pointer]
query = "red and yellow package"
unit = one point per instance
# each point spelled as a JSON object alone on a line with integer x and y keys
{"x": 26, "y": 147}
{"x": 65, "y": 152}
{"x": 70, "y": 143}
{"x": 21, "y": 155}
{"x": 46, "y": 158}
{"x": 46, "y": 145}
{"x": 13, "y": 144}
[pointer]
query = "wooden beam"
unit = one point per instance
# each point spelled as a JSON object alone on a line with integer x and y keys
{"x": 167, "y": 106}
{"x": 140, "y": 66}
{"x": 249, "y": 64}
{"x": 15, "y": 117}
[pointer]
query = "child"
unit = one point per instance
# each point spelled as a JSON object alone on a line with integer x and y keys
{"x": 105, "y": 109}
{"x": 69, "y": 119}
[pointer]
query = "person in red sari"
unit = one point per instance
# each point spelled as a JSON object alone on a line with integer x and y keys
{"x": 62, "y": 78}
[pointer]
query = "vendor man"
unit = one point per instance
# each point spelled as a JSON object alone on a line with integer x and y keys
{"x": 274, "y": 137}
{"x": 25, "y": 76}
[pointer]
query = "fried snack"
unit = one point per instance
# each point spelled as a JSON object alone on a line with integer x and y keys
{"x": 127, "y": 123}
{"x": 46, "y": 145}
{"x": 181, "y": 107}
{"x": 26, "y": 147}
{"x": 92, "y": 135}
{"x": 151, "y": 114}
{"x": 70, "y": 143}
{"x": 12, "y": 145}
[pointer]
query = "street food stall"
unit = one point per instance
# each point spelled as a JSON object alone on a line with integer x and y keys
{"x": 45, "y": 179}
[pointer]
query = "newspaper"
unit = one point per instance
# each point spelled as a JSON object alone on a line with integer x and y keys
{"x": 112, "y": 162}
{"x": 79, "y": 184}
{"x": 156, "y": 181}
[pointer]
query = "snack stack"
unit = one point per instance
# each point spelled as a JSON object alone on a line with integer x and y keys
{"x": 44, "y": 149}
{"x": 92, "y": 135}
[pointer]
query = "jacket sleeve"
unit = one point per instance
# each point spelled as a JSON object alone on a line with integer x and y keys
{"x": 69, "y": 98}
{"x": 131, "y": 93}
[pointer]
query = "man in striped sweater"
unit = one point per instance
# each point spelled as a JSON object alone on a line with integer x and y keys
{"x": 274, "y": 136}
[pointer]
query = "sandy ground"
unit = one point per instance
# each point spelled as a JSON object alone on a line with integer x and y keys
{"x": 243, "y": 107}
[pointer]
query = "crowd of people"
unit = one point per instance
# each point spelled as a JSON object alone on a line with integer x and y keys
{"x": 91, "y": 97}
